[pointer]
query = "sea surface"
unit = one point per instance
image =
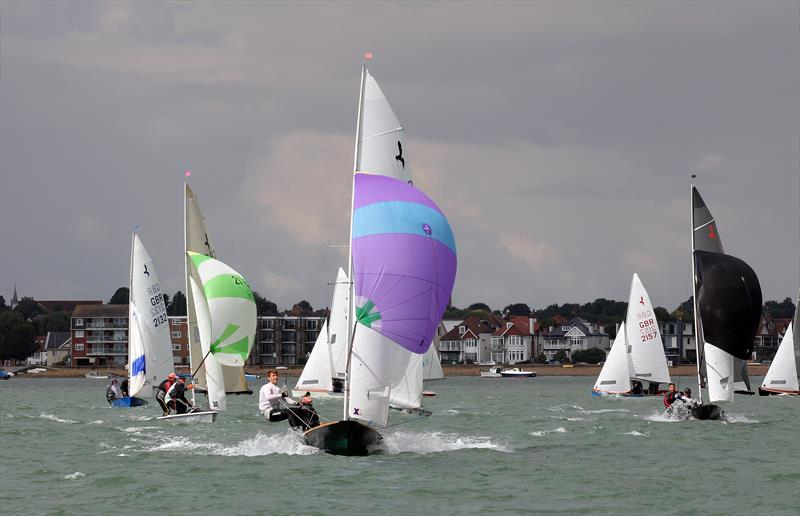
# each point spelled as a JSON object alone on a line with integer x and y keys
{"x": 492, "y": 446}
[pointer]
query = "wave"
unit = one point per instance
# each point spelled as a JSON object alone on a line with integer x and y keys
{"x": 635, "y": 432}
{"x": 96, "y": 422}
{"x": 75, "y": 476}
{"x": 559, "y": 430}
{"x": 51, "y": 417}
{"x": 601, "y": 411}
{"x": 286, "y": 443}
{"x": 727, "y": 417}
{"x": 436, "y": 442}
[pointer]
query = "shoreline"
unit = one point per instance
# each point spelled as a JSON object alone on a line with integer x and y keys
{"x": 449, "y": 370}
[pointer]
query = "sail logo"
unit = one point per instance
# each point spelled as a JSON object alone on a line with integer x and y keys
{"x": 641, "y": 300}
{"x": 427, "y": 229}
{"x": 356, "y": 411}
{"x": 711, "y": 233}
{"x": 400, "y": 157}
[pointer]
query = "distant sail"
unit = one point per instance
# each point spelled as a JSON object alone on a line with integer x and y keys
{"x": 782, "y": 374}
{"x": 614, "y": 377}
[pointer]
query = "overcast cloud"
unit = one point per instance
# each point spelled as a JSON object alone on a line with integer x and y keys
{"x": 557, "y": 137}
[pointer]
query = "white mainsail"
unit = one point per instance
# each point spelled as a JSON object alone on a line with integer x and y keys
{"x": 432, "y": 365}
{"x": 614, "y": 377}
{"x": 317, "y": 375}
{"x": 149, "y": 344}
{"x": 644, "y": 337}
{"x": 782, "y": 373}
{"x": 338, "y": 328}
{"x": 198, "y": 240}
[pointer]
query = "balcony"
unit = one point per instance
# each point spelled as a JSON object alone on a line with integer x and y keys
{"x": 100, "y": 325}
{"x": 101, "y": 339}
{"x": 103, "y": 350}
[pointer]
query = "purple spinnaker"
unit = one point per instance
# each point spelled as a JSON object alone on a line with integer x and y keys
{"x": 403, "y": 278}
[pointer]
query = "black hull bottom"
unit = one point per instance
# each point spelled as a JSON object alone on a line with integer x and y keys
{"x": 746, "y": 393}
{"x": 707, "y": 412}
{"x": 767, "y": 392}
{"x": 343, "y": 438}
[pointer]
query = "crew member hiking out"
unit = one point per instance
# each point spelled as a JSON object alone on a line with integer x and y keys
{"x": 270, "y": 397}
{"x": 161, "y": 392}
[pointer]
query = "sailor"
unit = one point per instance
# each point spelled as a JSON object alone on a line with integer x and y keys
{"x": 637, "y": 388}
{"x": 161, "y": 392}
{"x": 124, "y": 387}
{"x": 669, "y": 396}
{"x": 176, "y": 396}
{"x": 112, "y": 391}
{"x": 270, "y": 397}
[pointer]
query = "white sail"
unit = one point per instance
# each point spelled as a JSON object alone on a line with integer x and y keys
{"x": 149, "y": 344}
{"x": 317, "y": 375}
{"x": 214, "y": 381}
{"x": 377, "y": 378}
{"x": 719, "y": 373}
{"x": 644, "y": 337}
{"x": 198, "y": 240}
{"x": 614, "y": 377}
{"x": 382, "y": 141}
{"x": 432, "y": 365}
{"x": 782, "y": 373}
{"x": 338, "y": 325}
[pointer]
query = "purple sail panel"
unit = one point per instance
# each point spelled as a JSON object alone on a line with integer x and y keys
{"x": 372, "y": 189}
{"x": 404, "y": 276}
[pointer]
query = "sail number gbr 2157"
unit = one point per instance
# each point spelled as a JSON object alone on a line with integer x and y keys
{"x": 647, "y": 326}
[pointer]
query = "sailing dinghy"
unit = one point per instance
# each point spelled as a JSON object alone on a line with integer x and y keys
{"x": 402, "y": 265}
{"x": 221, "y": 314}
{"x": 727, "y": 310}
{"x": 781, "y": 378}
{"x": 149, "y": 343}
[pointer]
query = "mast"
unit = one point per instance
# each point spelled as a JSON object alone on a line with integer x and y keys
{"x": 350, "y": 309}
{"x": 697, "y": 339}
{"x": 186, "y": 284}
{"x": 130, "y": 309}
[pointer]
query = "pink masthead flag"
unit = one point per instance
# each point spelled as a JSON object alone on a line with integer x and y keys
{"x": 367, "y": 55}
{"x": 187, "y": 173}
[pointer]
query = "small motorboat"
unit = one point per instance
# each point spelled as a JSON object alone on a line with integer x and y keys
{"x": 516, "y": 372}
{"x": 492, "y": 372}
{"x": 94, "y": 375}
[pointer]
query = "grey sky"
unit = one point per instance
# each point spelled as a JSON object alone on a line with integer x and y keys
{"x": 557, "y": 137}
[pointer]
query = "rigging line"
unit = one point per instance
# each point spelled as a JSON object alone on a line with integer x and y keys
{"x": 701, "y": 226}
{"x": 390, "y": 131}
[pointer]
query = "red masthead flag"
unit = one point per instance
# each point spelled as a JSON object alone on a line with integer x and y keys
{"x": 367, "y": 55}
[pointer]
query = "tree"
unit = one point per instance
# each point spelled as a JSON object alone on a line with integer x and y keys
{"x": 264, "y": 306}
{"x": 590, "y": 356}
{"x": 517, "y": 309}
{"x": 166, "y": 301}
{"x": 453, "y": 312}
{"x": 3, "y": 305}
{"x": 560, "y": 356}
{"x": 782, "y": 310}
{"x": 178, "y": 305}
{"x": 28, "y": 308}
{"x": 303, "y": 307}
{"x": 541, "y": 358}
{"x": 17, "y": 337}
{"x": 52, "y": 321}
{"x": 120, "y": 297}
{"x": 483, "y": 307}
{"x": 661, "y": 313}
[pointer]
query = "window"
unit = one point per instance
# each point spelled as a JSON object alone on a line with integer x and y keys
{"x": 176, "y": 335}
{"x": 79, "y": 334}
{"x": 462, "y": 330}
{"x": 78, "y": 346}
{"x": 174, "y": 322}
{"x": 267, "y": 323}
{"x": 311, "y": 336}
{"x": 176, "y": 347}
{"x": 312, "y": 324}
{"x": 268, "y": 336}
{"x": 289, "y": 324}
{"x": 78, "y": 322}
{"x": 287, "y": 336}
{"x": 565, "y": 328}
{"x": 187, "y": 347}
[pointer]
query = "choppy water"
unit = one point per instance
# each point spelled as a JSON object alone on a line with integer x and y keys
{"x": 492, "y": 446}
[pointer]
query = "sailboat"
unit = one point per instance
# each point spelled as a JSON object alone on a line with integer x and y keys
{"x": 614, "y": 378}
{"x": 149, "y": 344}
{"x": 644, "y": 359}
{"x": 221, "y": 316}
{"x": 324, "y": 372}
{"x": 727, "y": 310}
{"x": 402, "y": 266}
{"x": 781, "y": 378}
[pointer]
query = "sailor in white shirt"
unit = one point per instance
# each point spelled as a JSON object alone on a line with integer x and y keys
{"x": 270, "y": 399}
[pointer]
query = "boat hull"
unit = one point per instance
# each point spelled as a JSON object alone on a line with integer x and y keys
{"x": 208, "y": 416}
{"x": 776, "y": 392}
{"x": 128, "y": 401}
{"x": 347, "y": 437}
{"x": 530, "y": 374}
{"x": 597, "y": 393}
{"x": 707, "y": 412}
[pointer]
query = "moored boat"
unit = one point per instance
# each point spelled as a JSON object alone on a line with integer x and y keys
{"x": 516, "y": 372}
{"x": 492, "y": 372}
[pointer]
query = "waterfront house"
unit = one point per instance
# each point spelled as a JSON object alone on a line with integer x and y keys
{"x": 576, "y": 335}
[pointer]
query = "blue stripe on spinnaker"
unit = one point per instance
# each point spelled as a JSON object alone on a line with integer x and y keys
{"x": 138, "y": 366}
{"x": 402, "y": 217}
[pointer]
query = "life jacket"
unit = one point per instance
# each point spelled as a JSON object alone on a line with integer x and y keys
{"x": 669, "y": 398}
{"x": 164, "y": 386}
